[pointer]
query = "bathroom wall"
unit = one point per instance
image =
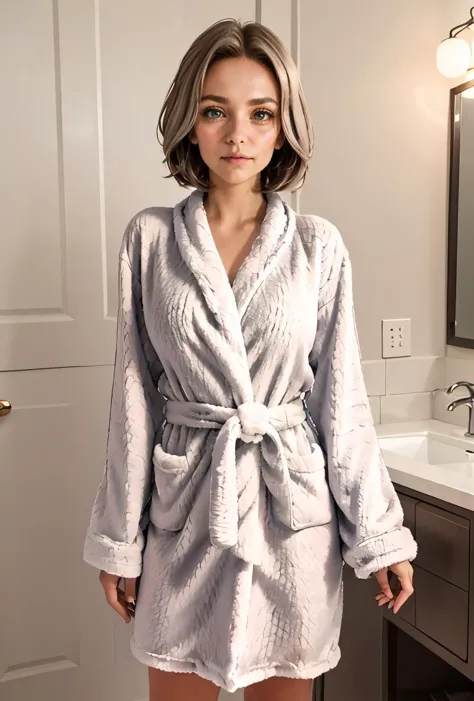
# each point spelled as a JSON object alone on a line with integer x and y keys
{"x": 380, "y": 110}
{"x": 459, "y": 361}
{"x": 459, "y": 365}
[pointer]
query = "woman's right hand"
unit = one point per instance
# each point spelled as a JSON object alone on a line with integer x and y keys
{"x": 121, "y": 601}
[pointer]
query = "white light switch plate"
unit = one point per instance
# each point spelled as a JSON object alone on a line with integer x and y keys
{"x": 396, "y": 338}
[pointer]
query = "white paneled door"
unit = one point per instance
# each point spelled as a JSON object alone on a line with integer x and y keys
{"x": 81, "y": 85}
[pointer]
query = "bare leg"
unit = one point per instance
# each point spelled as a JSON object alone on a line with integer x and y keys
{"x": 280, "y": 689}
{"x": 173, "y": 686}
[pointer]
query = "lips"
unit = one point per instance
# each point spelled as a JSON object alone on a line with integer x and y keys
{"x": 236, "y": 157}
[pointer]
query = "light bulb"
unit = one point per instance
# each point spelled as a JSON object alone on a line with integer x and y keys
{"x": 453, "y": 57}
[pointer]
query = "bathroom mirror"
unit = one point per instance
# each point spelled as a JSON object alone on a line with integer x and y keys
{"x": 460, "y": 317}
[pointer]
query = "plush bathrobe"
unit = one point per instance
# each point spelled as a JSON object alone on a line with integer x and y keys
{"x": 241, "y": 445}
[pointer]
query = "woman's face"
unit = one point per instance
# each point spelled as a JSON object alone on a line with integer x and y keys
{"x": 239, "y": 113}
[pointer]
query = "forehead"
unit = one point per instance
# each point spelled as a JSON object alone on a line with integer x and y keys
{"x": 237, "y": 77}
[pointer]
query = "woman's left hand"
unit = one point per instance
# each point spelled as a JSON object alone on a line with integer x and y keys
{"x": 404, "y": 572}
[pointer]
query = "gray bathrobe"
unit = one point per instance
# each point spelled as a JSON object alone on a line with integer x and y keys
{"x": 241, "y": 442}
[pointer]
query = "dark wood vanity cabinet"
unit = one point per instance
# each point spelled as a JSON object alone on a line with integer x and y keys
{"x": 429, "y": 644}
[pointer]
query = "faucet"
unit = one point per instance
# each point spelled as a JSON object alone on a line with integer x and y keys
{"x": 464, "y": 401}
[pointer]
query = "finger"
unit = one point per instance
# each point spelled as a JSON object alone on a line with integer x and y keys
{"x": 121, "y": 609}
{"x": 130, "y": 595}
{"x": 383, "y": 600}
{"x": 115, "y": 600}
{"x": 130, "y": 607}
{"x": 401, "y": 599}
{"x": 130, "y": 590}
{"x": 404, "y": 595}
{"x": 397, "y": 603}
{"x": 382, "y": 578}
{"x": 393, "y": 590}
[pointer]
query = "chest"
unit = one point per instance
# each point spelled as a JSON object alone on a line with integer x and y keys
{"x": 233, "y": 248}
{"x": 270, "y": 310}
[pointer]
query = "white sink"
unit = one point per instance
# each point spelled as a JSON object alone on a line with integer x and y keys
{"x": 430, "y": 457}
{"x": 429, "y": 448}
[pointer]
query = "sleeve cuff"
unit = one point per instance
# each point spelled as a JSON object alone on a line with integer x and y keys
{"x": 381, "y": 551}
{"x": 114, "y": 557}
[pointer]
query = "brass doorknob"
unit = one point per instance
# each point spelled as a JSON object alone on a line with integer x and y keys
{"x": 5, "y": 407}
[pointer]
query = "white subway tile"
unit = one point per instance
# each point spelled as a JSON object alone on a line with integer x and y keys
{"x": 458, "y": 369}
{"x": 406, "y": 407}
{"x": 374, "y": 377}
{"x": 463, "y": 353}
{"x": 414, "y": 375}
{"x": 375, "y": 409}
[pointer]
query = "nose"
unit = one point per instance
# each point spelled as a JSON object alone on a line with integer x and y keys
{"x": 236, "y": 131}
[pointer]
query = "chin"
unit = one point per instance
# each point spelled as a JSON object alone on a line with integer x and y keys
{"x": 235, "y": 178}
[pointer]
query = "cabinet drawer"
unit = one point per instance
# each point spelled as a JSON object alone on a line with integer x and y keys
{"x": 443, "y": 544}
{"x": 409, "y": 508}
{"x": 442, "y": 612}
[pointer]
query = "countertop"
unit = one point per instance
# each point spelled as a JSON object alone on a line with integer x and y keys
{"x": 451, "y": 482}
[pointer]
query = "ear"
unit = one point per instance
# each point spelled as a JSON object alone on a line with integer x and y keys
{"x": 192, "y": 137}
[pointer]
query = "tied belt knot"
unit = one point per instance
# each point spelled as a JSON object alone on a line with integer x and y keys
{"x": 249, "y": 422}
{"x": 254, "y": 421}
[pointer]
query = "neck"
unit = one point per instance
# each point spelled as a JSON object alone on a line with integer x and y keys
{"x": 233, "y": 204}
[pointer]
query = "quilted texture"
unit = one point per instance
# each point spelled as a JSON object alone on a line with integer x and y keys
{"x": 241, "y": 435}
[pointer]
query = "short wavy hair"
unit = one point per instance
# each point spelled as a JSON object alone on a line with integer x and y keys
{"x": 232, "y": 39}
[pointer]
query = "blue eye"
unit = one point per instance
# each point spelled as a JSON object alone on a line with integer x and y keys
{"x": 215, "y": 113}
{"x": 265, "y": 113}
{"x": 208, "y": 112}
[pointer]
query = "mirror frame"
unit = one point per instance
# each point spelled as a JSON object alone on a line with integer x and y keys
{"x": 455, "y": 138}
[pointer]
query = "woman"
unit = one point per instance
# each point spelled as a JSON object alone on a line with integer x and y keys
{"x": 236, "y": 318}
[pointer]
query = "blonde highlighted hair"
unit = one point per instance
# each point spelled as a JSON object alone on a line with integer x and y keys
{"x": 232, "y": 39}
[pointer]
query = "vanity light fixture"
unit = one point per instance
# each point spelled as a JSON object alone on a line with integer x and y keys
{"x": 455, "y": 56}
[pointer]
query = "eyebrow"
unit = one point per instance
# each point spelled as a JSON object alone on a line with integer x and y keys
{"x": 225, "y": 101}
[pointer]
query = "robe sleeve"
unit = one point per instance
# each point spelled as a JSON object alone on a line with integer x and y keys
{"x": 369, "y": 511}
{"x": 115, "y": 540}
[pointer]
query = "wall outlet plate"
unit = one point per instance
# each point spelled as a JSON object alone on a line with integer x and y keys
{"x": 396, "y": 338}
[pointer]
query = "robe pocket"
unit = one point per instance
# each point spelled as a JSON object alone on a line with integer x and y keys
{"x": 311, "y": 499}
{"x": 175, "y": 489}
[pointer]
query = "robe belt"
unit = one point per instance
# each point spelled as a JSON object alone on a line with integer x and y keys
{"x": 250, "y": 422}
